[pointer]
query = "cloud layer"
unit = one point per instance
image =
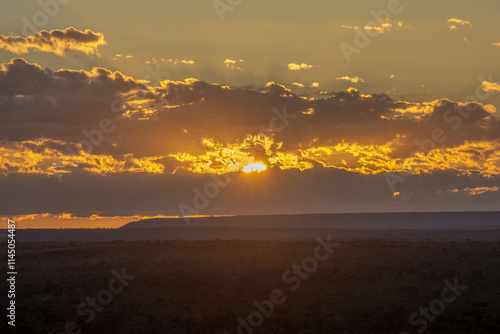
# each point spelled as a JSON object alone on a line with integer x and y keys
{"x": 109, "y": 136}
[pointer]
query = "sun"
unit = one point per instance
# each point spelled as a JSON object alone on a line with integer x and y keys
{"x": 255, "y": 167}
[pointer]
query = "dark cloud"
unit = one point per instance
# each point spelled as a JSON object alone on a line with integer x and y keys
{"x": 36, "y": 102}
{"x": 277, "y": 191}
{"x": 59, "y": 105}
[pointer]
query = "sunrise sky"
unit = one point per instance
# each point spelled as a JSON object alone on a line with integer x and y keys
{"x": 113, "y": 111}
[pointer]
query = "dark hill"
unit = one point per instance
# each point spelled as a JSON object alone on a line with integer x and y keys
{"x": 400, "y": 221}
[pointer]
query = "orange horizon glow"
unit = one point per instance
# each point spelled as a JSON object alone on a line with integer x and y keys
{"x": 69, "y": 221}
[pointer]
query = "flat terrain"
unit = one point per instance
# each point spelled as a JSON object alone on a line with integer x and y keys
{"x": 364, "y": 286}
{"x": 244, "y": 233}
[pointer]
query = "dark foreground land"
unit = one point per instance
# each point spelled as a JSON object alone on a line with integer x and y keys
{"x": 369, "y": 286}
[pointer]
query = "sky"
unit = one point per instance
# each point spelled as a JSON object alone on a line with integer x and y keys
{"x": 115, "y": 111}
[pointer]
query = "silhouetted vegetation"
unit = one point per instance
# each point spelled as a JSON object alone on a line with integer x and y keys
{"x": 204, "y": 286}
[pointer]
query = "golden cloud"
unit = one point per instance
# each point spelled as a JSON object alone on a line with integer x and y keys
{"x": 55, "y": 41}
{"x": 477, "y": 190}
{"x": 220, "y": 159}
{"x": 490, "y": 86}
{"x": 355, "y": 79}
{"x": 298, "y": 67}
{"x": 121, "y": 57}
{"x": 458, "y": 21}
{"x": 35, "y": 157}
{"x": 171, "y": 61}
{"x": 232, "y": 64}
{"x": 455, "y": 22}
{"x": 481, "y": 157}
{"x": 382, "y": 28}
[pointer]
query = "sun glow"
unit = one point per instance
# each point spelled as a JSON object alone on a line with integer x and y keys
{"x": 255, "y": 167}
